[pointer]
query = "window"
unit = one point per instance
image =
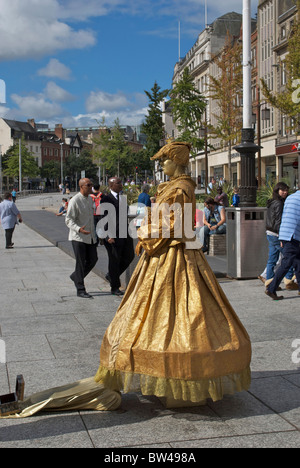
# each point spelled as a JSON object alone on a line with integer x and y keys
{"x": 283, "y": 126}
{"x": 283, "y": 73}
{"x": 253, "y": 57}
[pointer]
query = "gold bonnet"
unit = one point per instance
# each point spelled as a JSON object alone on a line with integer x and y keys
{"x": 177, "y": 151}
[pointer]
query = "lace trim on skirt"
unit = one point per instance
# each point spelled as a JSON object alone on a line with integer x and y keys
{"x": 186, "y": 390}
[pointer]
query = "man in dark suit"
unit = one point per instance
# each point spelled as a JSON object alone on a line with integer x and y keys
{"x": 118, "y": 243}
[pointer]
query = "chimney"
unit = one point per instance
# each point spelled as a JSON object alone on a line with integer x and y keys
{"x": 31, "y": 122}
{"x": 59, "y": 131}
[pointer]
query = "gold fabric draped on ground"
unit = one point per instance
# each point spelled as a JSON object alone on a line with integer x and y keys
{"x": 82, "y": 395}
{"x": 175, "y": 333}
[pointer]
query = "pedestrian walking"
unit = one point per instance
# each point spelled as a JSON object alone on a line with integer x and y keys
{"x": 14, "y": 195}
{"x": 80, "y": 221}
{"x": 274, "y": 214}
{"x": 289, "y": 235}
{"x": 10, "y": 216}
{"x": 211, "y": 185}
{"x": 119, "y": 245}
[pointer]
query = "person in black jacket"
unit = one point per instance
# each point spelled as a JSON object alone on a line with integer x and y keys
{"x": 118, "y": 243}
{"x": 274, "y": 214}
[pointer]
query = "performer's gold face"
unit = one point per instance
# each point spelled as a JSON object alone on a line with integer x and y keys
{"x": 169, "y": 167}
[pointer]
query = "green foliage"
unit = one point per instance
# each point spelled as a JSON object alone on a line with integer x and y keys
{"x": 226, "y": 91}
{"x": 113, "y": 151}
{"x": 142, "y": 161}
{"x": 51, "y": 170}
{"x": 265, "y": 193}
{"x": 153, "y": 125}
{"x": 75, "y": 164}
{"x": 188, "y": 106}
{"x": 227, "y": 188}
{"x": 11, "y": 162}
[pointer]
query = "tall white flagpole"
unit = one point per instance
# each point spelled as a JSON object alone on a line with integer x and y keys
{"x": 247, "y": 97}
{"x": 179, "y": 40}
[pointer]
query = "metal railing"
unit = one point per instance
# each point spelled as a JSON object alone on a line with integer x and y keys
{"x": 46, "y": 202}
{"x": 24, "y": 193}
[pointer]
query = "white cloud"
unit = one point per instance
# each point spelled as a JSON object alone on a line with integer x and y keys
{"x": 133, "y": 117}
{"x": 55, "y": 69}
{"x": 31, "y": 28}
{"x": 129, "y": 109}
{"x": 34, "y": 28}
{"x": 190, "y": 10}
{"x": 3, "y": 111}
{"x": 35, "y": 105}
{"x": 45, "y": 107}
{"x": 100, "y": 101}
{"x": 57, "y": 94}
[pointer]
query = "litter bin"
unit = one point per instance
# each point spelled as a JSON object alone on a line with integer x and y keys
{"x": 247, "y": 246}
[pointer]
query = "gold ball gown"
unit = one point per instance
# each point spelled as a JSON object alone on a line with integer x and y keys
{"x": 175, "y": 334}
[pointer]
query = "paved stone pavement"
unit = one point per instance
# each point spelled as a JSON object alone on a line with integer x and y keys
{"x": 53, "y": 338}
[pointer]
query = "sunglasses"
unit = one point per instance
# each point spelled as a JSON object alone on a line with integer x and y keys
{"x": 88, "y": 185}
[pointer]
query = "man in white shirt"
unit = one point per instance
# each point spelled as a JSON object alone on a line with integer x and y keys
{"x": 80, "y": 221}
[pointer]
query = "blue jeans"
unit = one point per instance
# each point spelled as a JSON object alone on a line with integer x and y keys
{"x": 205, "y": 232}
{"x": 275, "y": 250}
{"x": 291, "y": 258}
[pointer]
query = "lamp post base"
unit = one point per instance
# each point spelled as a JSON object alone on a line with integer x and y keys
{"x": 247, "y": 150}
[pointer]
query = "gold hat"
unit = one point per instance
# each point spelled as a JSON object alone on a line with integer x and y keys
{"x": 177, "y": 151}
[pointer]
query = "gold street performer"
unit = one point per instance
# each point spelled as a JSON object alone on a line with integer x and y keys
{"x": 175, "y": 334}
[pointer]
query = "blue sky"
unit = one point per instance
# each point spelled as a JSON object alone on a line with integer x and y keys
{"x": 75, "y": 61}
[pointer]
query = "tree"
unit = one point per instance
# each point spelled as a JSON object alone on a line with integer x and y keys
{"x": 75, "y": 164}
{"x": 153, "y": 125}
{"x": 114, "y": 152}
{"x": 188, "y": 105}
{"x": 50, "y": 170}
{"x": 288, "y": 101}
{"x": 11, "y": 162}
{"x": 226, "y": 91}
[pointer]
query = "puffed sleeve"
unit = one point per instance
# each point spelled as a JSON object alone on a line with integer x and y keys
{"x": 165, "y": 223}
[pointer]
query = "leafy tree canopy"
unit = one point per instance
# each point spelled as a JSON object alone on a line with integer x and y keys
{"x": 188, "y": 106}
{"x": 29, "y": 166}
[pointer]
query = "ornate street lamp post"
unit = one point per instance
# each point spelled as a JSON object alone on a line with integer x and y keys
{"x": 247, "y": 148}
{"x": 246, "y": 225}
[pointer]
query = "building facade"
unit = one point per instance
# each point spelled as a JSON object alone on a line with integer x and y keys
{"x": 278, "y": 157}
{"x": 201, "y": 64}
{"x": 11, "y": 131}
